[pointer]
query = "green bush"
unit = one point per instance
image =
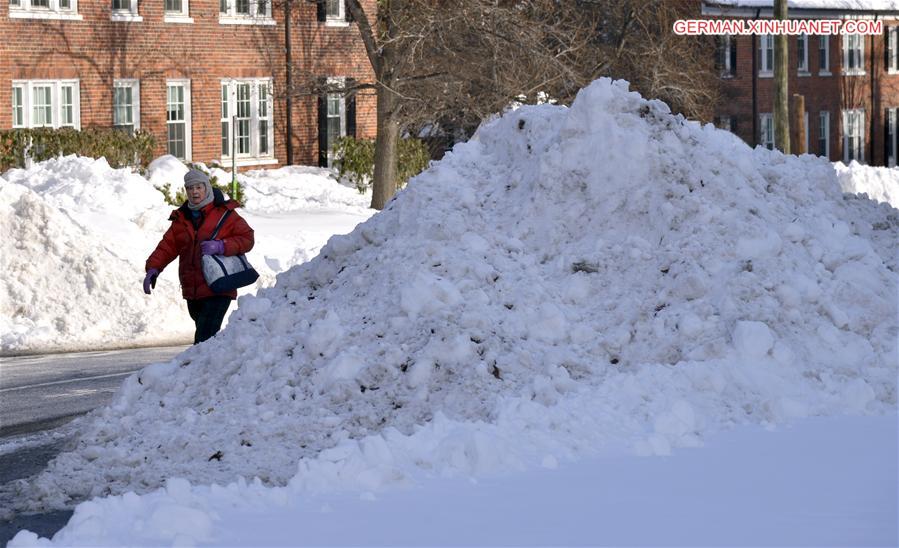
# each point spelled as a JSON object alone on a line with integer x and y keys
{"x": 356, "y": 160}
{"x": 180, "y": 196}
{"x": 119, "y": 148}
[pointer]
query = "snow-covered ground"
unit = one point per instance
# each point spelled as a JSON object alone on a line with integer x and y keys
{"x": 80, "y": 232}
{"x": 594, "y": 282}
{"x": 822, "y": 482}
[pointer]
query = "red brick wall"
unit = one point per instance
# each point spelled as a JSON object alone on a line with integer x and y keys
{"x": 97, "y": 51}
{"x": 832, "y": 93}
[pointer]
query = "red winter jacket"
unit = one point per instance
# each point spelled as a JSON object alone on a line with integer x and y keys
{"x": 183, "y": 241}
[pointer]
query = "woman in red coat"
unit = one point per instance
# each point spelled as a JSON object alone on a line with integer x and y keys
{"x": 188, "y": 239}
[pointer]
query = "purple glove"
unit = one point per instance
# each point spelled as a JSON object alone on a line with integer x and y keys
{"x": 212, "y": 247}
{"x": 150, "y": 280}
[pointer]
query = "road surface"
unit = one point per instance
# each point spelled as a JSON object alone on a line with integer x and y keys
{"x": 44, "y": 391}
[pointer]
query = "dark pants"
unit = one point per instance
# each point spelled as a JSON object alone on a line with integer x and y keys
{"x": 208, "y": 315}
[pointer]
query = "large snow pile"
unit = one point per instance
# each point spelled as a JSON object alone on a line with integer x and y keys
{"x": 878, "y": 183}
{"x": 79, "y": 233}
{"x": 607, "y": 277}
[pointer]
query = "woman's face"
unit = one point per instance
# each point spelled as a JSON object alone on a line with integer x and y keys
{"x": 196, "y": 193}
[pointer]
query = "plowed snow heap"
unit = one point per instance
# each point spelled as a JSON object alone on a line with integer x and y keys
{"x": 610, "y": 248}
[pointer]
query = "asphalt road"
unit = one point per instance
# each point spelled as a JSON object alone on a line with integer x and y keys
{"x": 43, "y": 392}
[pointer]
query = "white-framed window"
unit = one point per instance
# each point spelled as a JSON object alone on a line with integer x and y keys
{"x": 245, "y": 12}
{"x": 853, "y": 54}
{"x": 246, "y": 118}
{"x": 891, "y": 148}
{"x": 126, "y": 105}
{"x": 177, "y": 11}
{"x": 335, "y": 116}
{"x": 824, "y": 134}
{"x": 824, "y": 55}
{"x": 125, "y": 10}
{"x": 335, "y": 12}
{"x": 802, "y": 52}
{"x": 892, "y": 50}
{"x": 44, "y": 9}
{"x": 726, "y": 59}
{"x": 766, "y": 130}
{"x": 46, "y": 103}
{"x": 178, "y": 128}
{"x": 854, "y": 135}
{"x": 766, "y": 55}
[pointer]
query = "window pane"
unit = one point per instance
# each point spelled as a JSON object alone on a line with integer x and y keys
{"x": 176, "y": 140}
{"x": 333, "y": 129}
{"x": 332, "y": 8}
{"x": 224, "y": 100}
{"x": 800, "y": 46}
{"x": 68, "y": 114}
{"x": 261, "y": 8}
{"x": 333, "y": 105}
{"x": 40, "y": 3}
{"x": 175, "y": 103}
{"x": 263, "y": 136}
{"x": 243, "y": 100}
{"x": 123, "y": 112}
{"x": 42, "y": 111}
{"x": 18, "y": 108}
{"x": 173, "y": 5}
{"x": 243, "y": 136}
{"x": 64, "y": 4}
{"x": 14, "y": 2}
{"x": 263, "y": 101}
{"x": 223, "y": 6}
{"x": 226, "y": 138}
{"x": 243, "y": 7}
{"x": 121, "y": 4}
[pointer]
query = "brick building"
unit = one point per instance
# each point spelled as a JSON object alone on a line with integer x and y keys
{"x": 182, "y": 69}
{"x": 850, "y": 82}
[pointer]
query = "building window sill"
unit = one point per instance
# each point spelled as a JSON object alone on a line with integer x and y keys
{"x": 727, "y": 76}
{"x": 242, "y": 162}
{"x": 126, "y": 18}
{"x": 803, "y": 73}
{"x": 892, "y": 71}
{"x": 58, "y": 16}
{"x": 853, "y": 73}
{"x": 336, "y": 23}
{"x": 177, "y": 18}
{"x": 825, "y": 73}
{"x": 766, "y": 74}
{"x": 245, "y": 20}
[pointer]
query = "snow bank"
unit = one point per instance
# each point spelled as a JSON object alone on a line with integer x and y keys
{"x": 877, "y": 183}
{"x": 602, "y": 278}
{"x": 81, "y": 231}
{"x": 77, "y": 234}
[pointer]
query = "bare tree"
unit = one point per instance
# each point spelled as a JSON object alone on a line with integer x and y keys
{"x": 781, "y": 93}
{"x": 456, "y": 62}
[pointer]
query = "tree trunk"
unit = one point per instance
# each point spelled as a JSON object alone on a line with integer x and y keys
{"x": 386, "y": 149}
{"x": 797, "y": 125}
{"x": 781, "y": 97}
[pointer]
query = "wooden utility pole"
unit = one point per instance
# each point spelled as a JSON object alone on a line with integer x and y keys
{"x": 781, "y": 97}
{"x": 798, "y": 123}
